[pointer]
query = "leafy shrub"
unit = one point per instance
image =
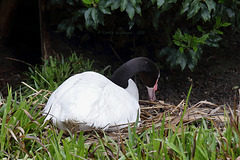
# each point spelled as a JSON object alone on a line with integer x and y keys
{"x": 54, "y": 71}
{"x": 180, "y": 27}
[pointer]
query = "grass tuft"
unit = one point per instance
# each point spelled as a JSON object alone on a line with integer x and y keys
{"x": 56, "y": 70}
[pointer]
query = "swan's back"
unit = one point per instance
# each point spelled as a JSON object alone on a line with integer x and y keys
{"x": 89, "y": 100}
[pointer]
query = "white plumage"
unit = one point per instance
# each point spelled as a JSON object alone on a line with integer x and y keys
{"x": 90, "y": 100}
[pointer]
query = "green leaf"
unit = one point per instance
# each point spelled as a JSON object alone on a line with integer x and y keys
{"x": 181, "y": 60}
{"x": 191, "y": 66}
{"x": 78, "y": 13}
{"x": 63, "y": 25}
{"x": 95, "y": 15}
{"x": 138, "y": 9}
{"x": 226, "y": 24}
{"x": 230, "y": 13}
{"x": 218, "y": 22}
{"x": 87, "y": 13}
{"x": 87, "y": 1}
{"x": 211, "y": 5}
{"x": 178, "y": 43}
{"x": 88, "y": 18}
{"x": 101, "y": 18}
{"x": 130, "y": 10}
{"x": 204, "y": 37}
{"x": 178, "y": 33}
{"x": 156, "y": 19}
{"x": 171, "y": 1}
{"x": 194, "y": 8}
{"x": 131, "y": 23}
{"x": 116, "y": 4}
{"x": 199, "y": 28}
{"x": 105, "y": 10}
{"x": 160, "y": 3}
{"x": 219, "y": 32}
{"x": 134, "y": 2}
{"x": 70, "y": 30}
{"x": 123, "y": 5}
{"x": 70, "y": 2}
{"x": 103, "y": 6}
{"x": 194, "y": 58}
{"x": 195, "y": 55}
{"x": 195, "y": 48}
{"x": 107, "y": 3}
{"x": 181, "y": 49}
{"x": 205, "y": 14}
{"x": 185, "y": 6}
{"x": 80, "y": 27}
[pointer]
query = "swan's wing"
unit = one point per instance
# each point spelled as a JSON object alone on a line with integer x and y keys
{"x": 117, "y": 106}
{"x": 132, "y": 89}
{"x": 61, "y": 90}
{"x": 92, "y": 100}
{"x": 74, "y": 91}
{"x": 99, "y": 106}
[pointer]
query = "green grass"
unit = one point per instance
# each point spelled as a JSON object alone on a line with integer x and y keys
{"x": 24, "y": 135}
{"x": 56, "y": 70}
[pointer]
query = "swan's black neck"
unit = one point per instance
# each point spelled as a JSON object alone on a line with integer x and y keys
{"x": 149, "y": 72}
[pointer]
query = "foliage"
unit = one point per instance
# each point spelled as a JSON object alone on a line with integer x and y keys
{"x": 56, "y": 70}
{"x": 184, "y": 24}
{"x": 187, "y": 41}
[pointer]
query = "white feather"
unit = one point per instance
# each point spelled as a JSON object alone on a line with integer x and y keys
{"x": 91, "y": 100}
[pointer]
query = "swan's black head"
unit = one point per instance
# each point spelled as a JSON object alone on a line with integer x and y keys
{"x": 147, "y": 70}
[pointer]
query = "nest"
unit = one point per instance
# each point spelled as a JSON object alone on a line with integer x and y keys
{"x": 153, "y": 113}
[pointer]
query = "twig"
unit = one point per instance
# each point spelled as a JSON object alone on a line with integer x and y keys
{"x": 18, "y": 60}
{"x": 116, "y": 54}
{"x": 29, "y": 87}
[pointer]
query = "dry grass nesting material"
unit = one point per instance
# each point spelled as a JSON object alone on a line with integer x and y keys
{"x": 153, "y": 112}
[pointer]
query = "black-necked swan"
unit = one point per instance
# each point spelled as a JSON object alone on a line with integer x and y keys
{"x": 90, "y": 100}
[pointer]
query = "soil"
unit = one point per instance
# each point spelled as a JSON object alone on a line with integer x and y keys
{"x": 216, "y": 78}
